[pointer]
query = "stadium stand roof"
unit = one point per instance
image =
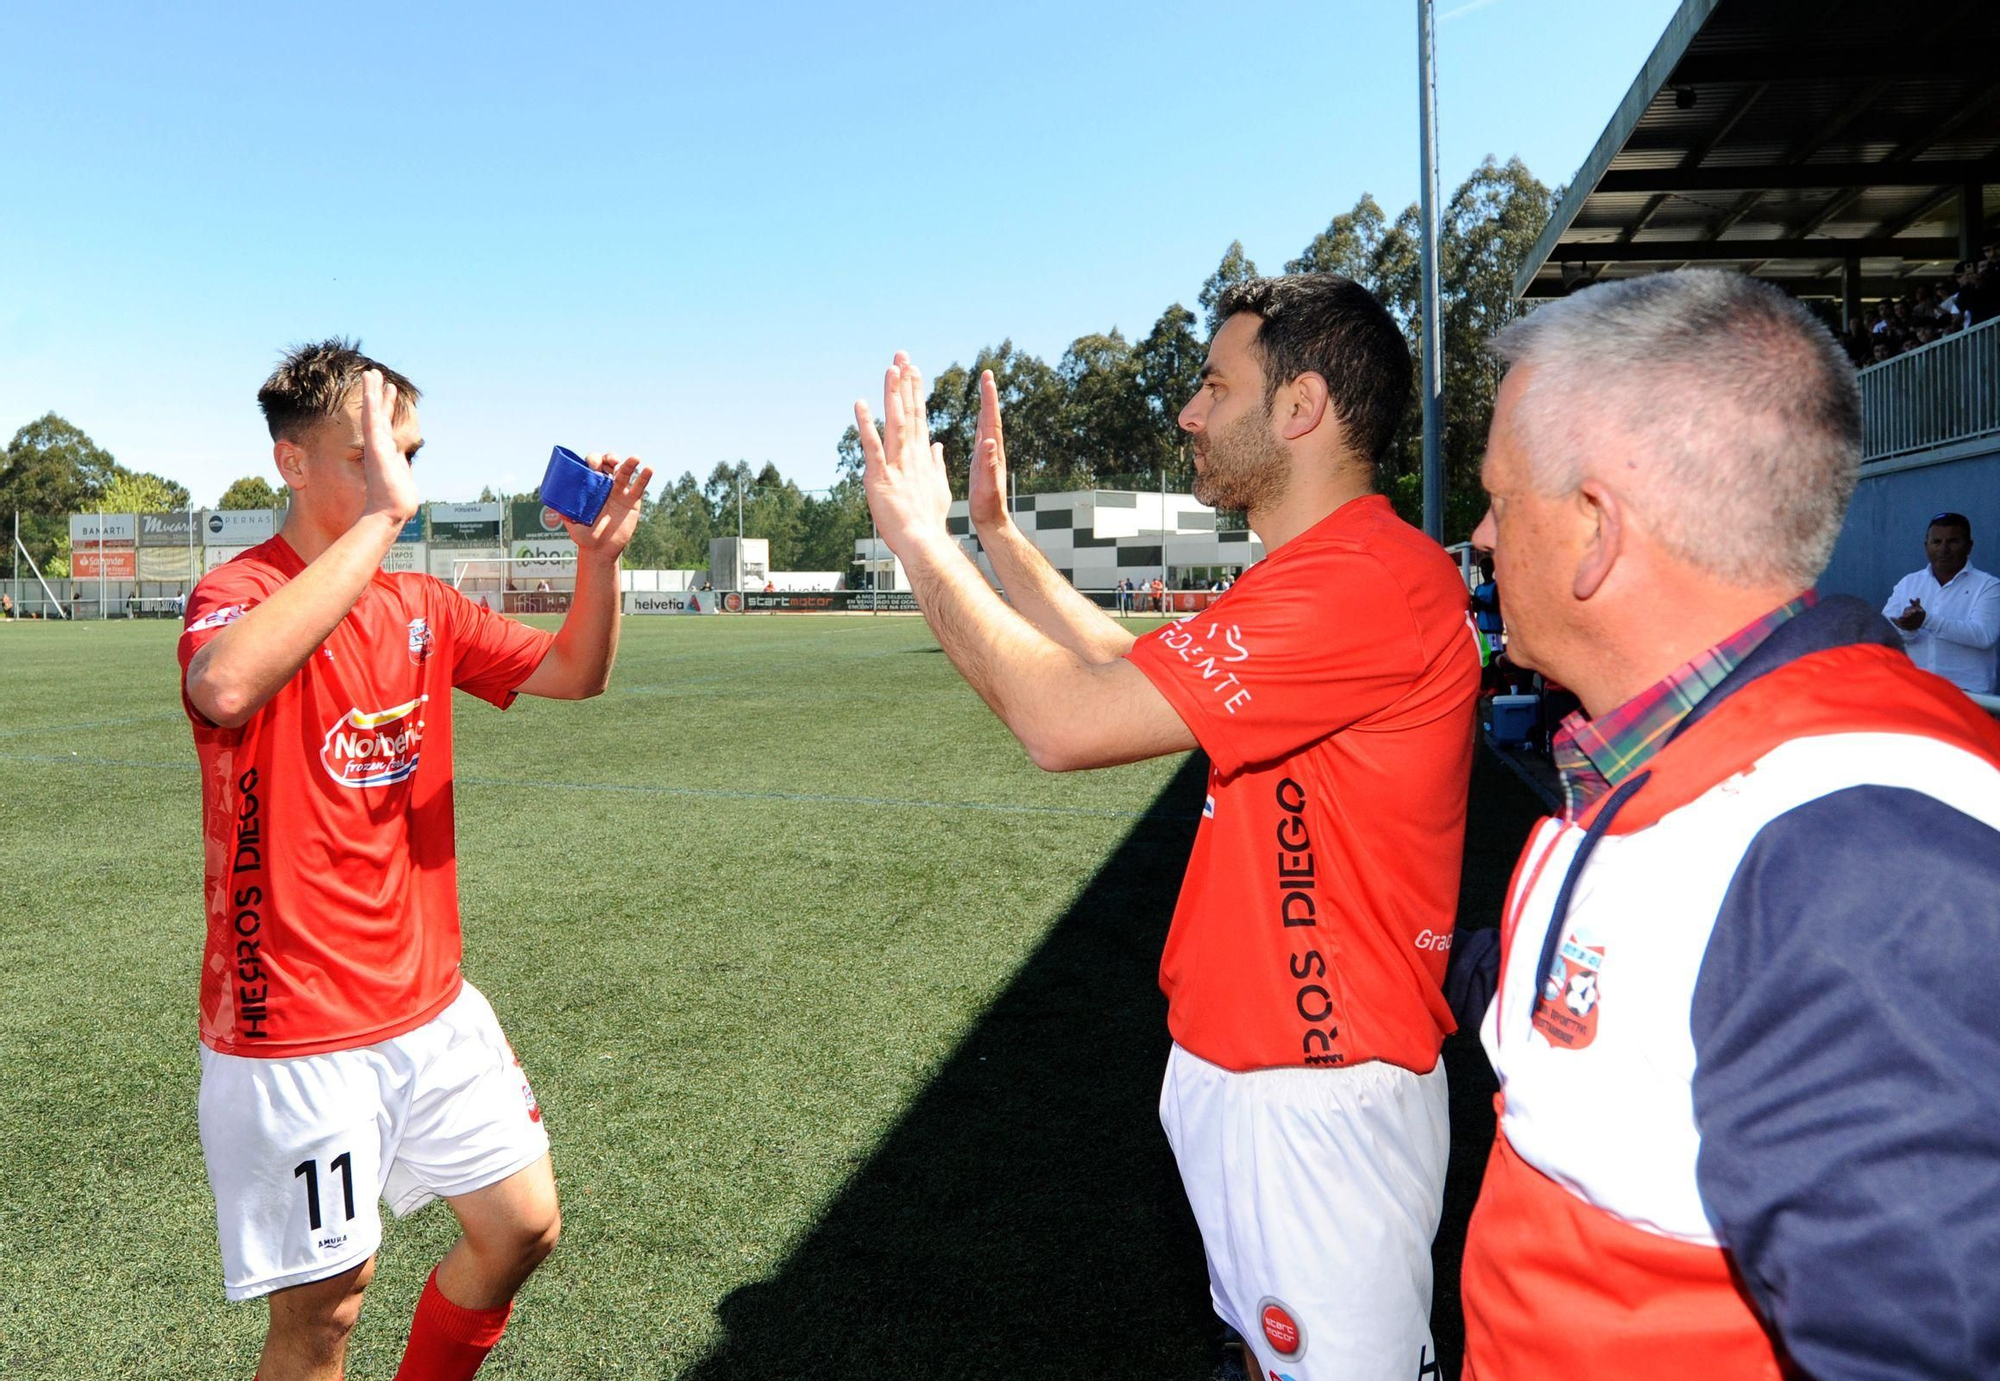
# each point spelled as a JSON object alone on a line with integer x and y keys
{"x": 1837, "y": 147}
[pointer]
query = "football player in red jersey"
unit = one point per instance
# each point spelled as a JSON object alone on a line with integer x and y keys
{"x": 1332, "y": 688}
{"x": 344, "y": 1059}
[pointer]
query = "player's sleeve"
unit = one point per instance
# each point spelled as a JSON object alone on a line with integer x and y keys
{"x": 220, "y": 598}
{"x": 491, "y": 654}
{"x": 1269, "y": 669}
{"x": 1846, "y": 1044}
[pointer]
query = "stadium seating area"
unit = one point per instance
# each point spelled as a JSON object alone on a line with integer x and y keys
{"x": 1928, "y": 312}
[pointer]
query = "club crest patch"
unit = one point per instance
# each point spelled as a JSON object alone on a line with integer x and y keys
{"x": 420, "y": 640}
{"x": 1566, "y": 1008}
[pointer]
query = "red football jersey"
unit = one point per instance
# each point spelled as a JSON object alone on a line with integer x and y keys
{"x": 330, "y": 869}
{"x": 1332, "y": 688}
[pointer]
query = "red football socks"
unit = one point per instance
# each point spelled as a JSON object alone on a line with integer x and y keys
{"x": 447, "y": 1342}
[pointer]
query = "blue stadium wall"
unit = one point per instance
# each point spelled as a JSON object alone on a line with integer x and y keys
{"x": 1883, "y": 540}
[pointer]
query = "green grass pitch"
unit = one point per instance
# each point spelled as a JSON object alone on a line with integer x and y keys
{"x": 840, "y": 1011}
{"x": 842, "y": 1014}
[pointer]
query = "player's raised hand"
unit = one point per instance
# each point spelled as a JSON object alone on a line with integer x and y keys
{"x": 903, "y": 473}
{"x": 623, "y": 506}
{"x": 988, "y": 488}
{"x": 392, "y": 490}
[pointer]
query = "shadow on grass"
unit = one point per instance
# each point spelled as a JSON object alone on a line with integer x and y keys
{"x": 1025, "y": 1218}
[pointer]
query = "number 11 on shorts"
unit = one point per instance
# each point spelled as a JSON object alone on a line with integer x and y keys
{"x": 308, "y": 1170}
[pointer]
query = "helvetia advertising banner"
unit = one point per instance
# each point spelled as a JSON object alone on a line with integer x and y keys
{"x": 671, "y": 602}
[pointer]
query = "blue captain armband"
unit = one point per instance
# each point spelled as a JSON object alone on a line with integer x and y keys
{"x": 572, "y": 488}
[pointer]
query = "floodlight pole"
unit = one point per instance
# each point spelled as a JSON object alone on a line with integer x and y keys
{"x": 1433, "y": 372}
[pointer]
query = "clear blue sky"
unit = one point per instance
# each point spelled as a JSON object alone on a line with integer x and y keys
{"x": 693, "y": 232}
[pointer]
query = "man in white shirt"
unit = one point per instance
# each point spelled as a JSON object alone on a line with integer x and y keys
{"x": 1949, "y": 612}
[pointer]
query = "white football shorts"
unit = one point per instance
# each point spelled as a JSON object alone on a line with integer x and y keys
{"x": 300, "y": 1150}
{"x": 1317, "y": 1192}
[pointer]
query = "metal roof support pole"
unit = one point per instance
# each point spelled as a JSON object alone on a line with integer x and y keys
{"x": 1971, "y": 218}
{"x": 1850, "y": 291}
{"x": 1433, "y": 373}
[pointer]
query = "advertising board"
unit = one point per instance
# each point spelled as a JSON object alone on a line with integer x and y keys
{"x": 237, "y": 527}
{"x": 465, "y": 524}
{"x": 671, "y": 602}
{"x": 166, "y": 529}
{"x": 823, "y": 602}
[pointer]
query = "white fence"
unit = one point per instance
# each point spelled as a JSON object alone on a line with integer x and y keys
{"x": 1944, "y": 392}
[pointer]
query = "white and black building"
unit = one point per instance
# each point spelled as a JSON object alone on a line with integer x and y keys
{"x": 1098, "y": 537}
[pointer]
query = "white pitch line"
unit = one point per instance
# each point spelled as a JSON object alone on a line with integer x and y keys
{"x": 684, "y": 792}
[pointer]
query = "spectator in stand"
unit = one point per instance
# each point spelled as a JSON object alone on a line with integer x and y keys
{"x": 1979, "y": 292}
{"x": 1949, "y": 612}
{"x": 1948, "y": 303}
{"x": 1883, "y": 351}
{"x": 1159, "y": 595}
{"x": 1858, "y": 343}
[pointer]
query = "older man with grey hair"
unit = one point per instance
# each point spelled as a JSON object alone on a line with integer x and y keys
{"x": 1748, "y": 1124}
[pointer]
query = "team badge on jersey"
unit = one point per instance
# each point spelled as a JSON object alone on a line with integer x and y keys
{"x": 420, "y": 640}
{"x": 1566, "y": 1008}
{"x": 374, "y": 748}
{"x": 1282, "y": 1330}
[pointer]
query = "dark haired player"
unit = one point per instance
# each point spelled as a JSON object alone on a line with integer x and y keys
{"x": 1332, "y": 689}
{"x": 344, "y": 1059}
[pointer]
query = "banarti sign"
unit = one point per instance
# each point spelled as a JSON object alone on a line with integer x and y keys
{"x": 108, "y": 529}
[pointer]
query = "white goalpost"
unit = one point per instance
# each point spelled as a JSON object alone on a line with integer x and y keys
{"x": 516, "y": 585}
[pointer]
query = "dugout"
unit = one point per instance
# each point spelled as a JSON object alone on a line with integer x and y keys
{"x": 1849, "y": 152}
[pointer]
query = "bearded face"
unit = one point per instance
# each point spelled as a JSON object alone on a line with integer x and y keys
{"x": 1241, "y": 466}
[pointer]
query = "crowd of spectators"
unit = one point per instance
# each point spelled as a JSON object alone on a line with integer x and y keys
{"x": 1928, "y": 312}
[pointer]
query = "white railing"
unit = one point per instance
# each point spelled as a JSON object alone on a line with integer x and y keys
{"x": 1940, "y": 393}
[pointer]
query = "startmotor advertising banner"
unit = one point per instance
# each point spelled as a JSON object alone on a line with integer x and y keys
{"x": 826, "y": 601}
